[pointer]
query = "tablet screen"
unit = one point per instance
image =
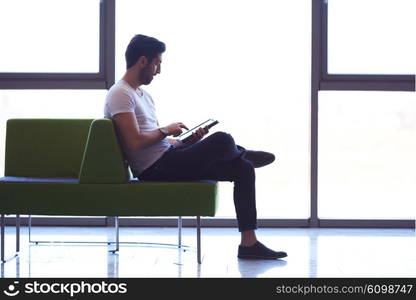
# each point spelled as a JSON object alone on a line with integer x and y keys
{"x": 209, "y": 122}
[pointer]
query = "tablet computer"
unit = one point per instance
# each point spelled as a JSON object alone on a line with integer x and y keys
{"x": 187, "y": 134}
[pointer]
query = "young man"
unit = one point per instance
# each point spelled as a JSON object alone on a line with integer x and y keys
{"x": 153, "y": 156}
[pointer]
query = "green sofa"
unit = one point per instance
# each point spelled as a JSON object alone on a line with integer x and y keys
{"x": 75, "y": 167}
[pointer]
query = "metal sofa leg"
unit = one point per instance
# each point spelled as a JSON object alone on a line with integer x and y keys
{"x": 29, "y": 227}
{"x": 17, "y": 233}
{"x": 179, "y": 232}
{"x": 3, "y": 221}
{"x": 198, "y": 239}
{"x": 116, "y": 234}
{"x": 3, "y": 234}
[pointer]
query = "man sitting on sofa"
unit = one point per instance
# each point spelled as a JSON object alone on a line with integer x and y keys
{"x": 153, "y": 156}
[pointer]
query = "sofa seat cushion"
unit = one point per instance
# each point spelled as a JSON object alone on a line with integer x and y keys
{"x": 65, "y": 196}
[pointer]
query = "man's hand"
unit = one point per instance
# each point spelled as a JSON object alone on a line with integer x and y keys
{"x": 196, "y": 136}
{"x": 126, "y": 124}
{"x": 174, "y": 129}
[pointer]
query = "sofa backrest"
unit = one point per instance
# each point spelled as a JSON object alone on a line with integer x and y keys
{"x": 79, "y": 148}
{"x": 103, "y": 160}
{"x": 45, "y": 147}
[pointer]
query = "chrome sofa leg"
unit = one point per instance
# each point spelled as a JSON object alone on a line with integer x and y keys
{"x": 198, "y": 239}
{"x": 116, "y": 233}
{"x": 17, "y": 233}
{"x": 2, "y": 237}
{"x": 29, "y": 227}
{"x": 179, "y": 232}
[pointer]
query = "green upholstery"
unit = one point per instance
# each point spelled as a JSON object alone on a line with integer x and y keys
{"x": 40, "y": 152}
{"x": 129, "y": 199}
{"x": 45, "y": 147}
{"x": 102, "y": 146}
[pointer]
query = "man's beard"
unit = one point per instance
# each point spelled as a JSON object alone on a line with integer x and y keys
{"x": 145, "y": 78}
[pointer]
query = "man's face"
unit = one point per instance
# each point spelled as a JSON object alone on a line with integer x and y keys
{"x": 150, "y": 70}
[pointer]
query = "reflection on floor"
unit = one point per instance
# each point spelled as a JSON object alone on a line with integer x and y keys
{"x": 311, "y": 253}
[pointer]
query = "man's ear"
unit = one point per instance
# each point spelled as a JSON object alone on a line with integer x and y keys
{"x": 142, "y": 61}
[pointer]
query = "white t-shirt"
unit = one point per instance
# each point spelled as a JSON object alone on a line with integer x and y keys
{"x": 123, "y": 98}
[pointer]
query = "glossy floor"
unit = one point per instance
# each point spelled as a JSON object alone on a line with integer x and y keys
{"x": 311, "y": 253}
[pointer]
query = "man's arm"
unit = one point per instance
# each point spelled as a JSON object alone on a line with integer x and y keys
{"x": 134, "y": 139}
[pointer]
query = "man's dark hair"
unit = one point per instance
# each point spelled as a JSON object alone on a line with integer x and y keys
{"x": 142, "y": 45}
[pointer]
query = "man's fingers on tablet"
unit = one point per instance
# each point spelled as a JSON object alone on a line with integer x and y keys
{"x": 184, "y": 126}
{"x": 195, "y": 137}
{"x": 181, "y": 125}
{"x": 201, "y": 132}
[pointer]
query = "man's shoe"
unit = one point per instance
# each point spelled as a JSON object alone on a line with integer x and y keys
{"x": 259, "y": 158}
{"x": 259, "y": 251}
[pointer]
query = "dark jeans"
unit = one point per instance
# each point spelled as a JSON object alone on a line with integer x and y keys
{"x": 216, "y": 157}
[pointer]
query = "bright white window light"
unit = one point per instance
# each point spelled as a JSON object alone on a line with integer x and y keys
{"x": 245, "y": 63}
{"x": 49, "y": 36}
{"x": 371, "y": 36}
{"x": 367, "y": 162}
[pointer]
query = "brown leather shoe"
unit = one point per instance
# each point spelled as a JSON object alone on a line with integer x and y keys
{"x": 259, "y": 158}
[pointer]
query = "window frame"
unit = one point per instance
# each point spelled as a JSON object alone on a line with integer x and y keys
{"x": 322, "y": 81}
{"x": 362, "y": 82}
{"x": 104, "y": 79}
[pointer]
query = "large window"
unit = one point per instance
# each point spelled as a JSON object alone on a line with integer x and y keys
{"x": 364, "y": 45}
{"x": 364, "y": 131}
{"x": 371, "y": 36}
{"x": 51, "y": 44}
{"x": 367, "y": 162}
{"x": 245, "y": 63}
{"x": 36, "y": 40}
